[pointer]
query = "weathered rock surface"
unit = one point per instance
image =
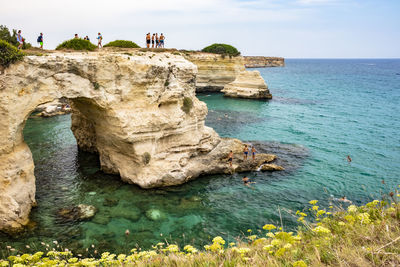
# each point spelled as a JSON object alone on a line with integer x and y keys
{"x": 127, "y": 108}
{"x": 215, "y": 71}
{"x": 226, "y": 74}
{"x": 248, "y": 84}
{"x": 271, "y": 167}
{"x": 263, "y": 62}
{"x": 53, "y": 108}
{"x": 79, "y": 213}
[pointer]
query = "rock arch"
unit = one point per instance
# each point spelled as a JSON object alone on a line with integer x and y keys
{"x": 127, "y": 108}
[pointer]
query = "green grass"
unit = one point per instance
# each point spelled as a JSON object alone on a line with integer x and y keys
{"x": 9, "y": 54}
{"x": 77, "y": 44}
{"x": 222, "y": 49}
{"x": 122, "y": 44}
{"x": 357, "y": 236}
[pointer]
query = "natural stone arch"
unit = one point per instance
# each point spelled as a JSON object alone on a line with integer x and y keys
{"x": 126, "y": 108}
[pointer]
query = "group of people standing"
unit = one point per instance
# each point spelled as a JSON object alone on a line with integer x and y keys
{"x": 155, "y": 40}
{"x": 99, "y": 39}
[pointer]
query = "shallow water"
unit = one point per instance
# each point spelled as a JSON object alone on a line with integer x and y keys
{"x": 322, "y": 110}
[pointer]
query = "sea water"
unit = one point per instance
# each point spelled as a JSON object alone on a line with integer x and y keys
{"x": 322, "y": 111}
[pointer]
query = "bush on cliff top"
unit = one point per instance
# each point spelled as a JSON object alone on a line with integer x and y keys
{"x": 9, "y": 54}
{"x": 122, "y": 43}
{"x": 222, "y": 49}
{"x": 358, "y": 236}
{"x": 77, "y": 44}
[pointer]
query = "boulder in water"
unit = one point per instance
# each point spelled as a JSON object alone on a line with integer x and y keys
{"x": 271, "y": 167}
{"x": 78, "y": 213}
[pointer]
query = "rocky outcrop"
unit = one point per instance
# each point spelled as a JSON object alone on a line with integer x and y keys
{"x": 263, "y": 62}
{"x": 138, "y": 112}
{"x": 215, "y": 71}
{"x": 79, "y": 213}
{"x": 53, "y": 108}
{"x": 248, "y": 84}
{"x": 226, "y": 74}
{"x": 271, "y": 167}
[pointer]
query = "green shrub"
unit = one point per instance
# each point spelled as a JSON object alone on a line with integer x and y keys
{"x": 122, "y": 43}
{"x": 222, "y": 49}
{"x": 5, "y": 35}
{"x": 77, "y": 44}
{"x": 146, "y": 158}
{"x": 187, "y": 104}
{"x": 9, "y": 54}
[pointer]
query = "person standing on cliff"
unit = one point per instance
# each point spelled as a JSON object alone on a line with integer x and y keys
{"x": 230, "y": 158}
{"x": 20, "y": 40}
{"x": 40, "y": 40}
{"x": 99, "y": 39}
{"x": 148, "y": 37}
{"x": 245, "y": 152}
{"x": 152, "y": 40}
{"x": 253, "y": 152}
{"x": 157, "y": 40}
{"x": 162, "y": 38}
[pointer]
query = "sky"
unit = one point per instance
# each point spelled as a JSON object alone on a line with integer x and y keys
{"x": 287, "y": 28}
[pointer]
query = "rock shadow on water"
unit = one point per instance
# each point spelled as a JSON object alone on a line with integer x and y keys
{"x": 221, "y": 119}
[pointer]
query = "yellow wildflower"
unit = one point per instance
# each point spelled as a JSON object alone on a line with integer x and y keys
{"x": 270, "y": 234}
{"x": 321, "y": 230}
{"x": 269, "y": 227}
{"x": 350, "y": 219}
{"x": 341, "y": 223}
{"x": 299, "y": 264}
{"x": 352, "y": 208}
{"x": 313, "y": 202}
{"x": 315, "y": 207}
{"x": 218, "y": 240}
{"x": 364, "y": 218}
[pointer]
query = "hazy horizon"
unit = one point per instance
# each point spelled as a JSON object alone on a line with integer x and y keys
{"x": 282, "y": 28}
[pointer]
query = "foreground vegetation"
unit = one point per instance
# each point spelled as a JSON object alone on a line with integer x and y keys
{"x": 77, "y": 44}
{"x": 359, "y": 236}
{"x": 122, "y": 43}
{"x": 223, "y": 49}
{"x": 9, "y": 54}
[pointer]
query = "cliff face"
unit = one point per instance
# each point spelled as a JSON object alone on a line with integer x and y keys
{"x": 215, "y": 71}
{"x": 226, "y": 74}
{"x": 138, "y": 112}
{"x": 262, "y": 62}
{"x": 248, "y": 84}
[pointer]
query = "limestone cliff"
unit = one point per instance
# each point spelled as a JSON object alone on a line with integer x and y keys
{"x": 138, "y": 112}
{"x": 248, "y": 84}
{"x": 215, "y": 71}
{"x": 262, "y": 62}
{"x": 226, "y": 74}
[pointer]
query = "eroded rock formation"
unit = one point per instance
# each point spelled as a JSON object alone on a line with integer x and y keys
{"x": 215, "y": 71}
{"x": 248, "y": 84}
{"x": 226, "y": 74}
{"x": 138, "y": 112}
{"x": 263, "y": 62}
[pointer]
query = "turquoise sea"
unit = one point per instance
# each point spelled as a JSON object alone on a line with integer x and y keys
{"x": 322, "y": 111}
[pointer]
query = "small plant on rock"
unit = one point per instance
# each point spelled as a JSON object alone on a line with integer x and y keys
{"x": 146, "y": 158}
{"x": 187, "y": 104}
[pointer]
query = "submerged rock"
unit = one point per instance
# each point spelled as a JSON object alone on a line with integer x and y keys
{"x": 110, "y": 202}
{"x": 78, "y": 213}
{"x": 132, "y": 213}
{"x": 155, "y": 215}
